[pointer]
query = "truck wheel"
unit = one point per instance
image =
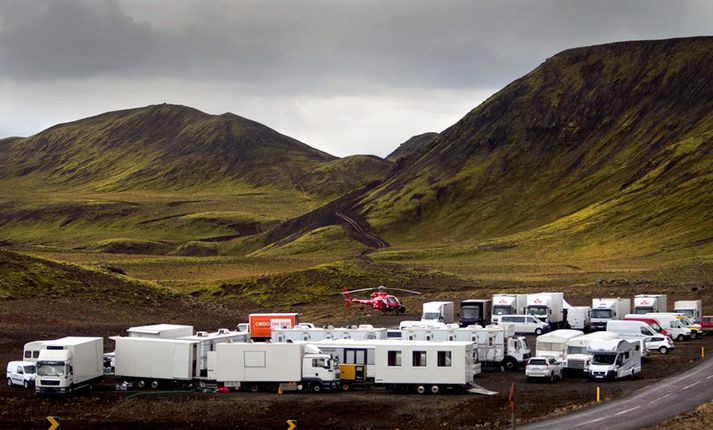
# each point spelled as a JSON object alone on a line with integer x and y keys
{"x": 254, "y": 388}
{"x": 141, "y": 384}
{"x": 509, "y": 363}
{"x": 421, "y": 389}
{"x": 435, "y": 389}
{"x": 680, "y": 338}
{"x": 346, "y": 386}
{"x": 538, "y": 331}
{"x": 300, "y": 387}
{"x": 154, "y": 384}
{"x": 663, "y": 350}
{"x": 317, "y": 388}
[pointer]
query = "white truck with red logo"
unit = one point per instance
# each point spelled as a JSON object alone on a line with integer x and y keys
{"x": 649, "y": 303}
{"x": 508, "y": 304}
{"x": 548, "y": 307}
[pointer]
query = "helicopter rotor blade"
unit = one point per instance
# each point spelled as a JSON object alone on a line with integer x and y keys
{"x": 355, "y": 291}
{"x": 407, "y": 291}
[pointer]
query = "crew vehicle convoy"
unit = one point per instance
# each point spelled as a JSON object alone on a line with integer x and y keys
{"x": 694, "y": 329}
{"x": 615, "y": 359}
{"x": 69, "y": 364}
{"x": 605, "y": 309}
{"x": 548, "y": 307}
{"x": 475, "y": 312}
{"x": 649, "y": 303}
{"x": 508, "y": 304}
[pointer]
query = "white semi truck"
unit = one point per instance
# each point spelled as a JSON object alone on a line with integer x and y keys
{"x": 548, "y": 307}
{"x": 270, "y": 366}
{"x": 508, "y": 304}
{"x": 606, "y": 309}
{"x": 649, "y": 303}
{"x": 693, "y": 309}
{"x": 69, "y": 364}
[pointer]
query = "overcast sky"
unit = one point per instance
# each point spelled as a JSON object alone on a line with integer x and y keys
{"x": 343, "y": 76}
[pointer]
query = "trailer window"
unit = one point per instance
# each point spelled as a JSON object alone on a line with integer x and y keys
{"x": 28, "y": 354}
{"x": 35, "y": 354}
{"x": 419, "y": 359}
{"x": 394, "y": 358}
{"x": 444, "y": 359}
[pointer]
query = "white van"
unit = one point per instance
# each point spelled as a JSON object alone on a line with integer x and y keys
{"x": 616, "y": 358}
{"x": 524, "y": 324}
{"x": 671, "y": 323}
{"x": 630, "y": 329}
{"x": 21, "y": 373}
{"x": 554, "y": 344}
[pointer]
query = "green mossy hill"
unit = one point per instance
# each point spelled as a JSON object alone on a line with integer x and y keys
{"x": 159, "y": 147}
{"x": 23, "y": 276}
{"x": 604, "y": 144}
{"x": 413, "y": 147}
{"x": 338, "y": 177}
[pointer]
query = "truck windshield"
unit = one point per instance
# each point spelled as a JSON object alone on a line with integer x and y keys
{"x": 50, "y": 368}
{"x": 502, "y": 310}
{"x": 603, "y": 358}
{"x": 430, "y": 316}
{"x": 470, "y": 313}
{"x": 601, "y": 313}
{"x": 576, "y": 350}
{"x": 686, "y": 312}
{"x": 643, "y": 310}
{"x": 539, "y": 311}
{"x": 29, "y": 369}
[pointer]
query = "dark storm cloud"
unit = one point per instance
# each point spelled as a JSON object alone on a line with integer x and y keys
{"x": 321, "y": 45}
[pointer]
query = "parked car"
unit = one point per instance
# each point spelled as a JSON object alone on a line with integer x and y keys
{"x": 21, "y": 373}
{"x": 707, "y": 323}
{"x": 524, "y": 324}
{"x": 543, "y": 367}
{"x": 660, "y": 343}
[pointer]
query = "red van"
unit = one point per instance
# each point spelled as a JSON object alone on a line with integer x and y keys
{"x": 650, "y": 321}
{"x": 707, "y": 323}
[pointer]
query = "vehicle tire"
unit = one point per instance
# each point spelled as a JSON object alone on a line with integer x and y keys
{"x": 346, "y": 386}
{"x": 538, "y": 331}
{"x": 300, "y": 387}
{"x": 254, "y": 388}
{"x": 694, "y": 335}
{"x": 9, "y": 382}
{"x": 421, "y": 389}
{"x": 317, "y": 388}
{"x": 552, "y": 377}
{"x": 435, "y": 389}
{"x": 680, "y": 338}
{"x": 510, "y": 363}
{"x": 663, "y": 350}
{"x": 402, "y": 309}
{"x": 154, "y": 385}
{"x": 141, "y": 384}
{"x": 25, "y": 384}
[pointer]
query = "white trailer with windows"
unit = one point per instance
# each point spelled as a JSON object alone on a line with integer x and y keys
{"x": 307, "y": 334}
{"x": 207, "y": 342}
{"x": 162, "y": 331}
{"x": 424, "y": 366}
{"x": 156, "y": 362}
{"x": 577, "y": 355}
{"x": 554, "y": 344}
{"x": 616, "y": 358}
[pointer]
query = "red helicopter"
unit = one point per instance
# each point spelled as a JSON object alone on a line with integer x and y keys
{"x": 380, "y": 299}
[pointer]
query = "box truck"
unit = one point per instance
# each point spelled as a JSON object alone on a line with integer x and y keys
{"x": 261, "y": 325}
{"x": 269, "y": 366}
{"x": 548, "y": 307}
{"x": 648, "y": 303}
{"x": 208, "y": 341}
{"x": 607, "y": 309}
{"x": 156, "y": 362}
{"x": 578, "y": 357}
{"x": 693, "y": 309}
{"x": 69, "y": 364}
{"x": 616, "y": 358}
{"x": 554, "y": 344}
{"x": 437, "y": 312}
{"x": 475, "y": 312}
{"x": 579, "y": 318}
{"x": 508, "y": 304}
{"x": 162, "y": 331}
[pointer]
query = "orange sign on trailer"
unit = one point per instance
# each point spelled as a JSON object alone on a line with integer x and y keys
{"x": 261, "y": 325}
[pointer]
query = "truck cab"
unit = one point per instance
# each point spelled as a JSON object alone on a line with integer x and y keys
{"x": 437, "y": 312}
{"x": 54, "y": 371}
{"x": 474, "y": 312}
{"x": 320, "y": 367}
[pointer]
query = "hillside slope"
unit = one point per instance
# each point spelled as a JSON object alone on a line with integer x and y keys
{"x": 414, "y": 146}
{"x": 607, "y": 146}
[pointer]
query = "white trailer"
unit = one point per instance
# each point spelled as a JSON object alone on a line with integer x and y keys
{"x": 579, "y": 318}
{"x": 554, "y": 344}
{"x": 69, "y": 364}
{"x": 162, "y": 331}
{"x": 306, "y": 334}
{"x": 616, "y": 358}
{"x": 508, "y": 304}
{"x": 606, "y": 309}
{"x": 424, "y": 366}
{"x": 155, "y": 361}
{"x": 440, "y": 312}
{"x": 31, "y": 350}
{"x": 577, "y": 355}
{"x": 208, "y": 341}
{"x": 256, "y": 366}
{"x": 548, "y": 307}
{"x": 648, "y": 303}
{"x": 693, "y": 309}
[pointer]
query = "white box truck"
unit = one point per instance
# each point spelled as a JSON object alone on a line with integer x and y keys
{"x": 475, "y": 311}
{"x": 267, "y": 366}
{"x": 69, "y": 364}
{"x": 508, "y": 304}
{"x": 438, "y": 312}
{"x": 208, "y": 341}
{"x": 554, "y": 344}
{"x": 648, "y": 303}
{"x": 162, "y": 331}
{"x": 605, "y": 309}
{"x": 693, "y": 309}
{"x": 548, "y": 307}
{"x": 156, "y": 362}
{"x": 578, "y": 357}
{"x": 579, "y": 318}
{"x": 616, "y": 358}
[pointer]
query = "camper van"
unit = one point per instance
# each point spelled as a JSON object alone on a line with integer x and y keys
{"x": 616, "y": 358}
{"x": 554, "y": 344}
{"x": 577, "y": 355}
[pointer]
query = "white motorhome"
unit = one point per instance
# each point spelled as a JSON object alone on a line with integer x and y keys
{"x": 156, "y": 361}
{"x": 508, "y": 304}
{"x": 648, "y": 303}
{"x": 364, "y": 331}
{"x": 548, "y": 307}
{"x": 579, "y": 318}
{"x": 259, "y": 366}
{"x": 607, "y": 309}
{"x": 162, "y": 331}
{"x": 616, "y": 358}
{"x": 208, "y": 341}
{"x": 438, "y": 312}
{"x": 424, "y": 366}
{"x": 69, "y": 364}
{"x": 577, "y": 355}
{"x": 672, "y": 324}
{"x": 693, "y": 309}
{"x": 554, "y": 344}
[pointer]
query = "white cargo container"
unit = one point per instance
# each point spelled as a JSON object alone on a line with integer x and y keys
{"x": 548, "y": 307}
{"x": 162, "y": 331}
{"x": 155, "y": 361}
{"x": 508, "y": 304}
{"x": 438, "y": 312}
{"x": 256, "y": 366}
{"x": 68, "y": 364}
{"x": 648, "y": 303}
{"x": 577, "y": 355}
{"x": 306, "y": 334}
{"x": 554, "y": 344}
{"x": 424, "y": 366}
{"x": 579, "y": 318}
{"x": 616, "y": 358}
{"x": 606, "y": 309}
{"x": 208, "y": 341}
{"x": 693, "y": 309}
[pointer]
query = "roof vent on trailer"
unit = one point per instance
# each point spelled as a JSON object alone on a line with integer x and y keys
{"x": 223, "y": 331}
{"x": 202, "y": 334}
